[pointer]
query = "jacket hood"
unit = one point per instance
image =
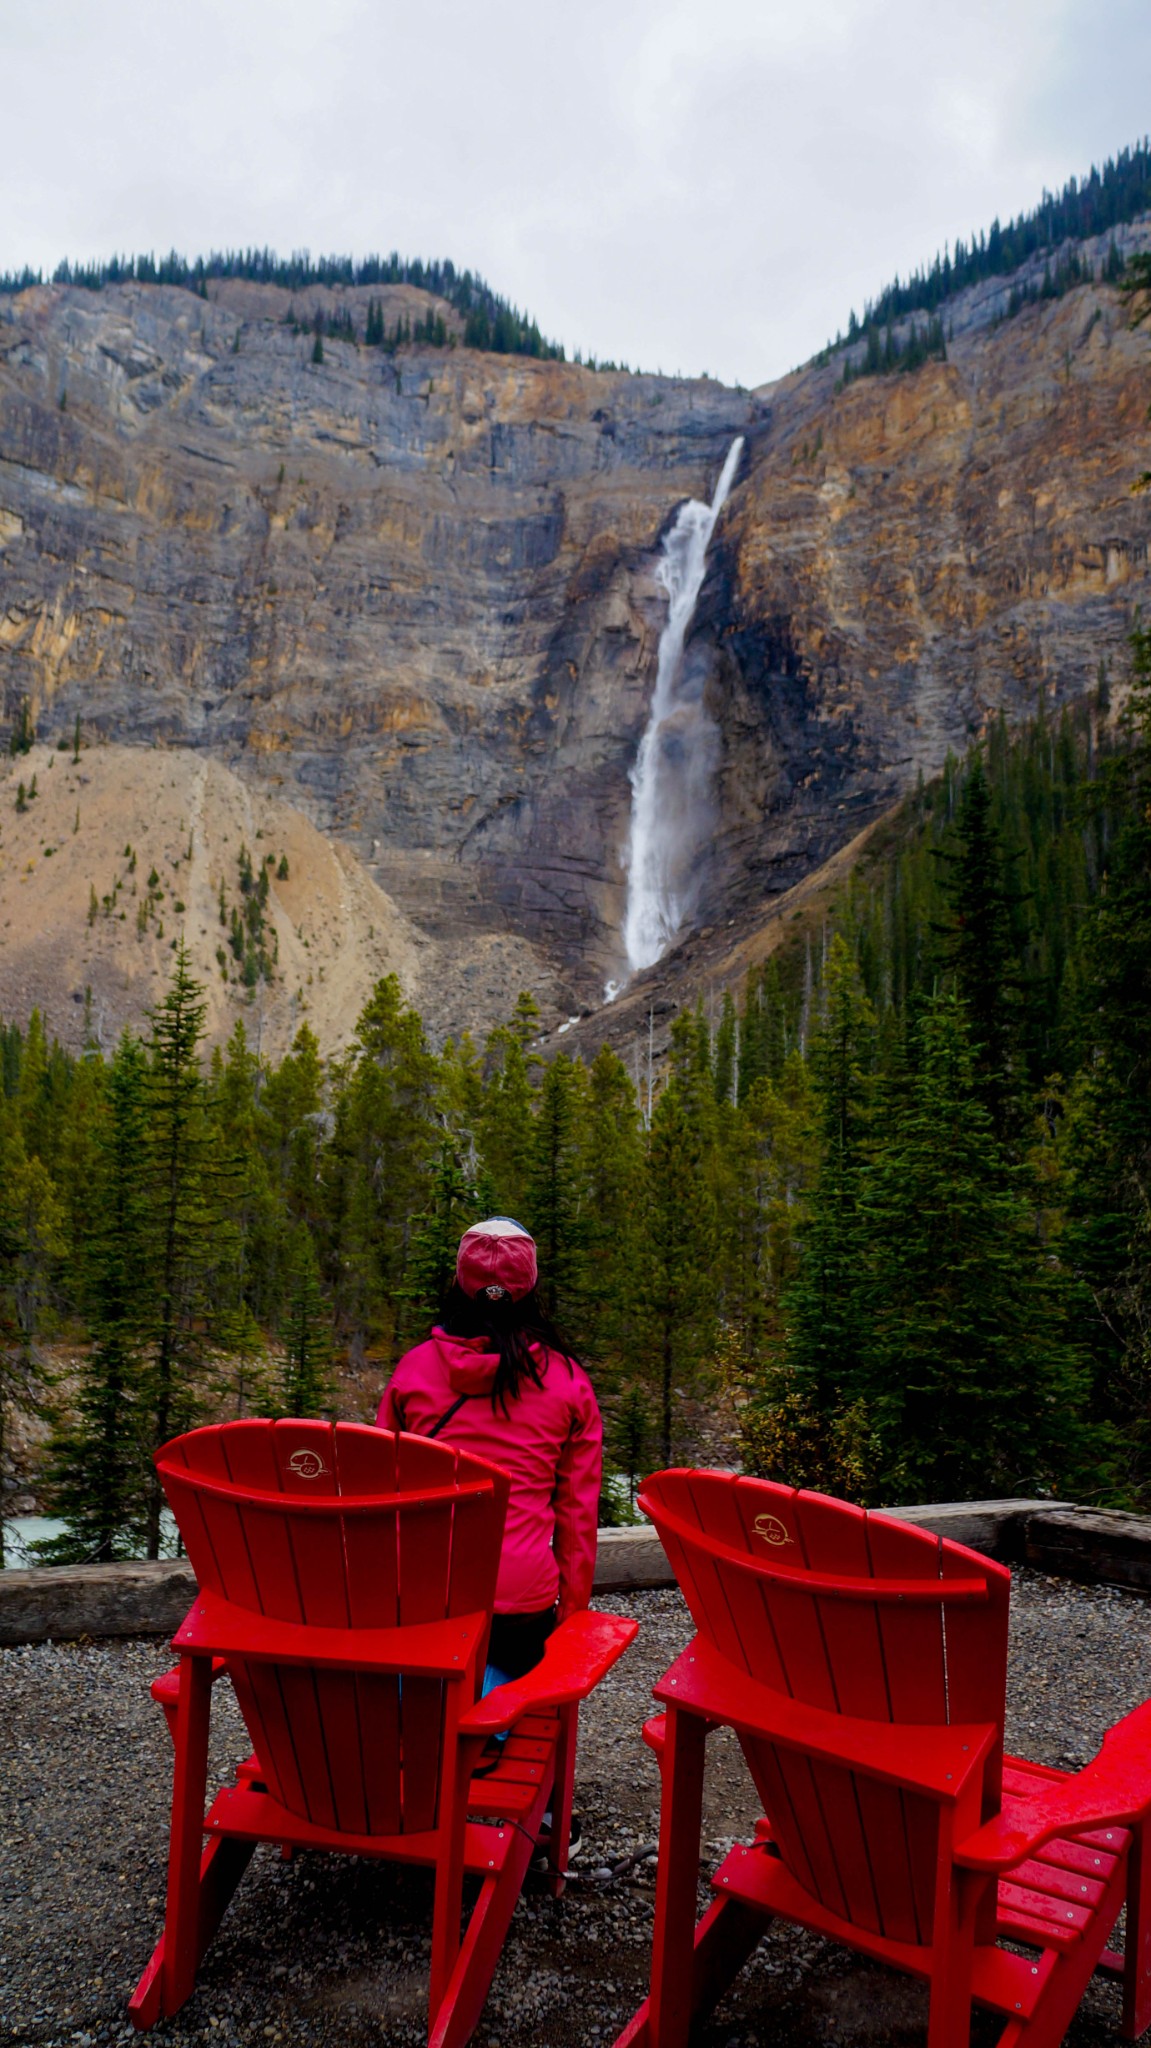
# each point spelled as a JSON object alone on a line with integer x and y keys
{"x": 471, "y": 1369}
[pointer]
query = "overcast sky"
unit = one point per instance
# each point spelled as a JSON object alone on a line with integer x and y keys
{"x": 689, "y": 185}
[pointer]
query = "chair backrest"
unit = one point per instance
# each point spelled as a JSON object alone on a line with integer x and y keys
{"x": 857, "y": 1614}
{"x": 341, "y": 1527}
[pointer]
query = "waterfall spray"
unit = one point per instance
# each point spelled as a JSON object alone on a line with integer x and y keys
{"x": 672, "y": 781}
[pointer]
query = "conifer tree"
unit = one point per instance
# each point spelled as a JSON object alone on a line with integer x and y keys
{"x": 1109, "y": 1236}
{"x": 826, "y": 1305}
{"x": 23, "y": 732}
{"x": 250, "y": 1211}
{"x": 180, "y": 1169}
{"x": 462, "y": 1083}
{"x": 629, "y": 1435}
{"x": 970, "y": 1378}
{"x": 675, "y": 1281}
{"x": 31, "y": 1241}
{"x": 769, "y": 1154}
{"x": 981, "y": 948}
{"x": 725, "y": 1058}
{"x": 455, "y": 1200}
{"x": 608, "y": 1321}
{"x": 507, "y": 1111}
{"x": 97, "y": 1464}
{"x": 556, "y": 1193}
{"x": 377, "y": 1166}
{"x": 307, "y": 1333}
{"x": 291, "y": 1126}
{"x": 761, "y": 1027}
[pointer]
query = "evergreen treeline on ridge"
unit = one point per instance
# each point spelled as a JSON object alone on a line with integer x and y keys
{"x": 490, "y": 322}
{"x": 887, "y": 1217}
{"x": 1087, "y": 207}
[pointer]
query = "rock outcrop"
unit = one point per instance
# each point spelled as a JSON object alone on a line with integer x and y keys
{"x": 413, "y": 598}
{"x": 125, "y": 851}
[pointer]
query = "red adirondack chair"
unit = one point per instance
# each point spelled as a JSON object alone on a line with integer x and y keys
{"x": 346, "y": 1580}
{"x": 862, "y": 1664}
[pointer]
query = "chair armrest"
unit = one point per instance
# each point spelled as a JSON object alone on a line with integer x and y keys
{"x": 216, "y": 1627}
{"x": 933, "y": 1760}
{"x": 655, "y": 1731}
{"x": 166, "y": 1689}
{"x": 576, "y": 1656}
{"x": 1113, "y": 1790}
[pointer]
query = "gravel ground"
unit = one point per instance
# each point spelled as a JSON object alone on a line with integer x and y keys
{"x": 327, "y": 1950}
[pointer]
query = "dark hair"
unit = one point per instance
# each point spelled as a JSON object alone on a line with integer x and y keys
{"x": 509, "y": 1328}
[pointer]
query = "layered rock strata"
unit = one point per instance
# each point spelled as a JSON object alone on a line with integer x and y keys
{"x": 415, "y": 596}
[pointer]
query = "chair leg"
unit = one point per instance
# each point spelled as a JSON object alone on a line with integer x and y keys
{"x": 949, "y": 2019}
{"x": 182, "y": 1921}
{"x": 681, "y": 1812}
{"x": 449, "y": 1894}
{"x": 562, "y": 1793}
{"x": 724, "y": 1939}
{"x": 171, "y": 1974}
{"x": 1137, "y": 1945}
{"x": 455, "y": 2019}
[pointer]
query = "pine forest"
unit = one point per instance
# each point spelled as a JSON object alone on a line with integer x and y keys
{"x": 881, "y": 1226}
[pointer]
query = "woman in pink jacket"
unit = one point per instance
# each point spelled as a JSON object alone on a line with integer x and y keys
{"x": 494, "y": 1378}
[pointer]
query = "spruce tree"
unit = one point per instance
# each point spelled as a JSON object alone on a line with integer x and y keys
{"x": 377, "y": 1166}
{"x": 556, "y": 1195}
{"x": 290, "y": 1125}
{"x": 455, "y": 1200}
{"x": 97, "y": 1469}
{"x": 462, "y": 1084}
{"x": 769, "y": 1153}
{"x": 31, "y": 1244}
{"x": 1109, "y": 1235}
{"x": 675, "y": 1281}
{"x": 761, "y": 1027}
{"x": 969, "y": 1373}
{"x": 826, "y": 1303}
{"x": 180, "y": 1171}
{"x": 725, "y": 1057}
{"x": 608, "y": 1322}
{"x": 307, "y": 1389}
{"x": 980, "y": 947}
{"x": 504, "y": 1126}
{"x": 629, "y": 1435}
{"x": 251, "y": 1214}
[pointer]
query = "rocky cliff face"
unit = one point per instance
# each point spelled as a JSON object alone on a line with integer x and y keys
{"x": 415, "y": 597}
{"x": 913, "y": 554}
{"x": 414, "y": 594}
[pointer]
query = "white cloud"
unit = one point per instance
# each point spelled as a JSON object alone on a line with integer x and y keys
{"x": 682, "y": 186}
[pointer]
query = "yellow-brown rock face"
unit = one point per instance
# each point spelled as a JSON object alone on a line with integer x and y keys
{"x": 912, "y": 554}
{"x": 414, "y": 598}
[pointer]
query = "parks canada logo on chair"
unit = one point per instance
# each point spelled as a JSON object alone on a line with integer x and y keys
{"x": 306, "y": 1464}
{"x": 772, "y": 1530}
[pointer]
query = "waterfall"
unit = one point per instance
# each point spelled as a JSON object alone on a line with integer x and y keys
{"x": 672, "y": 807}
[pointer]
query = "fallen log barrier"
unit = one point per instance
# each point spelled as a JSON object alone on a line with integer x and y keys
{"x": 65, "y": 1602}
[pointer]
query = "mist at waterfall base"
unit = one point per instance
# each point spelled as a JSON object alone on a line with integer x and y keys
{"x": 673, "y": 781}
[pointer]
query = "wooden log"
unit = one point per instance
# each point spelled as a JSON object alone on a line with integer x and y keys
{"x": 63, "y": 1602}
{"x": 1098, "y": 1546}
{"x": 59, "y": 1603}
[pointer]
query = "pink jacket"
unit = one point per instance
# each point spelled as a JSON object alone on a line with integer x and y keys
{"x": 550, "y": 1443}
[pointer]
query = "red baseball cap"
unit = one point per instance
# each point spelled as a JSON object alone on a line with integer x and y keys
{"x": 497, "y": 1257}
